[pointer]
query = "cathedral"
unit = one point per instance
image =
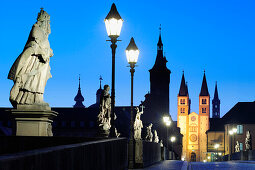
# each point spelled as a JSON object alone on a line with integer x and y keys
{"x": 195, "y": 125}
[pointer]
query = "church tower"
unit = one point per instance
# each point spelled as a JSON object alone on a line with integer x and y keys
{"x": 204, "y": 115}
{"x": 159, "y": 83}
{"x": 183, "y": 109}
{"x": 79, "y": 98}
{"x": 216, "y": 104}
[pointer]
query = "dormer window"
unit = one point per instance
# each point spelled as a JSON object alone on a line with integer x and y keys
{"x": 203, "y": 101}
{"x": 182, "y": 101}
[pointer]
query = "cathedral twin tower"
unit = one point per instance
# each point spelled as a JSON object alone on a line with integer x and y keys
{"x": 192, "y": 126}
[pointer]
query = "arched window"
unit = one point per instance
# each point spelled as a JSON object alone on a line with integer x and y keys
{"x": 182, "y": 101}
{"x": 203, "y": 110}
{"x": 203, "y": 101}
{"x": 182, "y": 110}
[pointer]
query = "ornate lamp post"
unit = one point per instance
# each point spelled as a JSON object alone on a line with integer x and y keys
{"x": 167, "y": 121}
{"x": 132, "y": 54}
{"x": 172, "y": 139}
{"x": 113, "y": 24}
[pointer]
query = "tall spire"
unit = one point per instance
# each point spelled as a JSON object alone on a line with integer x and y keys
{"x": 183, "y": 88}
{"x": 216, "y": 104}
{"x": 204, "y": 88}
{"x": 79, "y": 98}
{"x": 160, "y": 44}
{"x": 216, "y": 96}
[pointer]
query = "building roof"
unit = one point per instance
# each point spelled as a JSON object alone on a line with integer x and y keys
{"x": 216, "y": 124}
{"x": 183, "y": 88}
{"x": 204, "y": 88}
{"x": 216, "y": 96}
{"x": 242, "y": 112}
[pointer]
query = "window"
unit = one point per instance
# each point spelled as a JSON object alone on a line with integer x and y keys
{"x": 193, "y": 129}
{"x": 241, "y": 146}
{"x": 182, "y": 101}
{"x": 91, "y": 124}
{"x": 182, "y": 110}
{"x": 203, "y": 101}
{"x": 239, "y": 129}
{"x": 82, "y": 123}
{"x": 72, "y": 124}
{"x": 63, "y": 123}
{"x": 203, "y": 110}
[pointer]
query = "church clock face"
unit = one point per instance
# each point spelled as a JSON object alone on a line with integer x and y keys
{"x": 193, "y": 138}
{"x": 193, "y": 118}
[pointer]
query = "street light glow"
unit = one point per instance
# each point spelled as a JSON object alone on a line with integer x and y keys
{"x": 216, "y": 146}
{"x": 173, "y": 139}
{"x": 132, "y": 52}
{"x": 113, "y": 22}
{"x": 166, "y": 119}
{"x": 208, "y": 157}
{"x": 234, "y": 130}
{"x": 231, "y": 132}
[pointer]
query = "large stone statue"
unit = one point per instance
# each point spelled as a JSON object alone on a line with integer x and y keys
{"x": 248, "y": 145}
{"x": 104, "y": 116}
{"x": 31, "y": 70}
{"x": 237, "y": 147}
{"x": 149, "y": 135}
{"x": 138, "y": 125}
{"x": 156, "y": 139}
{"x": 30, "y": 73}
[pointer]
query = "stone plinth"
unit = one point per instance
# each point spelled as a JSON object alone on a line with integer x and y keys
{"x": 138, "y": 153}
{"x": 33, "y": 120}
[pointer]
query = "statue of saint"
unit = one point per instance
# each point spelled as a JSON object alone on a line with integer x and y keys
{"x": 156, "y": 139}
{"x": 31, "y": 70}
{"x": 161, "y": 143}
{"x": 149, "y": 135}
{"x": 248, "y": 141}
{"x": 237, "y": 147}
{"x": 104, "y": 116}
{"x": 138, "y": 125}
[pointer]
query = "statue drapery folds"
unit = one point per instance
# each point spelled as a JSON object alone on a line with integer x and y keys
{"x": 31, "y": 70}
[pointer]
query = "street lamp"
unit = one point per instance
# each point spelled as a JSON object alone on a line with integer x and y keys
{"x": 172, "y": 139}
{"x": 132, "y": 54}
{"x": 167, "y": 121}
{"x": 113, "y": 24}
{"x": 216, "y": 146}
{"x": 233, "y": 131}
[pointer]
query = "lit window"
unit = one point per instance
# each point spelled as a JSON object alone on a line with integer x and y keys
{"x": 241, "y": 146}
{"x": 203, "y": 101}
{"x": 239, "y": 129}
{"x": 182, "y": 101}
{"x": 203, "y": 110}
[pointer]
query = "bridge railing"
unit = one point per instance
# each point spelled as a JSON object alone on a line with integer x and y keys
{"x": 104, "y": 154}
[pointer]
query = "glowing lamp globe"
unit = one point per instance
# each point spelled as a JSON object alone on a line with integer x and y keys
{"x": 113, "y": 22}
{"x": 132, "y": 52}
{"x": 172, "y": 139}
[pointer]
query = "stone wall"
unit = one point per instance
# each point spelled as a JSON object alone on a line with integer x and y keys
{"x": 107, "y": 154}
{"x": 151, "y": 153}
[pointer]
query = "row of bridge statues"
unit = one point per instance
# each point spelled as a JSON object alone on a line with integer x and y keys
{"x": 248, "y": 145}
{"x": 104, "y": 119}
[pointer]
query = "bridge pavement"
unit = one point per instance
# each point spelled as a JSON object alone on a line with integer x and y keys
{"x": 180, "y": 165}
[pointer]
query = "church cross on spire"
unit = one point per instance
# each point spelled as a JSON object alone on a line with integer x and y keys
{"x": 100, "y": 79}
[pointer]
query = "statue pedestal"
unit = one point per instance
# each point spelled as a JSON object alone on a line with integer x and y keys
{"x": 138, "y": 153}
{"x": 33, "y": 120}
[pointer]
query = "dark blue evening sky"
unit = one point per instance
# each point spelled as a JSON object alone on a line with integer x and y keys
{"x": 216, "y": 35}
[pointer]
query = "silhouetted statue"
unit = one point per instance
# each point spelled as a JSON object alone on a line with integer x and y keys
{"x": 248, "y": 145}
{"x": 31, "y": 70}
{"x": 104, "y": 116}
{"x": 149, "y": 135}
{"x": 138, "y": 125}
